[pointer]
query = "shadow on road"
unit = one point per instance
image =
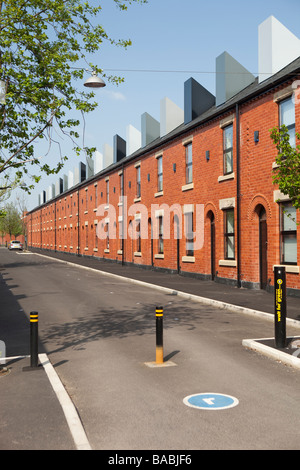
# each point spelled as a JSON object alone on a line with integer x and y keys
{"x": 114, "y": 323}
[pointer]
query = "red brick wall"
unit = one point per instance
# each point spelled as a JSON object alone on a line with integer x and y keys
{"x": 256, "y": 190}
{"x": 5, "y": 239}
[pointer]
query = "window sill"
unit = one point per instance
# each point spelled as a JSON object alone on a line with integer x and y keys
{"x": 106, "y": 250}
{"x": 95, "y": 249}
{"x": 289, "y": 268}
{"x": 227, "y": 262}
{"x": 188, "y": 259}
{"x": 187, "y": 187}
{"x": 137, "y": 199}
{"x": 137, "y": 253}
{"x": 119, "y": 252}
{"x": 226, "y": 177}
{"x": 159, "y": 256}
{"x": 160, "y": 193}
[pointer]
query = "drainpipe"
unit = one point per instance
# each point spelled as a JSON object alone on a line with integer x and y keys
{"x": 237, "y": 113}
{"x": 55, "y": 227}
{"x": 123, "y": 216}
{"x": 78, "y": 226}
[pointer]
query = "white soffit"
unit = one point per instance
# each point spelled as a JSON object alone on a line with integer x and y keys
{"x": 90, "y": 167}
{"x": 98, "y": 162}
{"x": 70, "y": 179}
{"x": 150, "y": 129}
{"x": 277, "y": 47}
{"x": 108, "y": 153}
{"x": 133, "y": 140}
{"x": 171, "y": 116}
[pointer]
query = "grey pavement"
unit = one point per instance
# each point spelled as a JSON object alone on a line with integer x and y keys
{"x": 31, "y": 416}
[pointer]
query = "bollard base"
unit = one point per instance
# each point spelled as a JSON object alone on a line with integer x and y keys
{"x": 160, "y": 364}
{"x": 32, "y": 368}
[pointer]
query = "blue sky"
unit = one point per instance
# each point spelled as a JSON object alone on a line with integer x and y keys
{"x": 168, "y": 36}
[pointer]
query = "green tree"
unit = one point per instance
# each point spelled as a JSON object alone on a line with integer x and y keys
{"x": 43, "y": 44}
{"x": 11, "y": 223}
{"x": 6, "y": 188}
{"x": 287, "y": 172}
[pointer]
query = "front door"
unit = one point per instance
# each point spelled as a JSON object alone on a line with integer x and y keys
{"x": 263, "y": 248}
{"x": 177, "y": 241}
{"x": 212, "y": 246}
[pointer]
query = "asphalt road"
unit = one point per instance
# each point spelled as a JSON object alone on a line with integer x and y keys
{"x": 99, "y": 334}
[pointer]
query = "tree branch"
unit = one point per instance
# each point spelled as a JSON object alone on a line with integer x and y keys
{"x": 6, "y": 164}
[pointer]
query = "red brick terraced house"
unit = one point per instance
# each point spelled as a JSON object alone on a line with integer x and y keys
{"x": 197, "y": 199}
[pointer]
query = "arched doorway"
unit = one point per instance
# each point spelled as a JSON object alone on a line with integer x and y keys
{"x": 263, "y": 248}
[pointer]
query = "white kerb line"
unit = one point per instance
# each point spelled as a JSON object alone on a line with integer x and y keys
{"x": 73, "y": 420}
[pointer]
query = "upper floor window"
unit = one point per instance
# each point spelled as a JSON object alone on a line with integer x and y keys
{"x": 288, "y": 234}
{"x": 138, "y": 181}
{"x": 228, "y": 149}
{"x": 121, "y": 185}
{"x": 159, "y": 174}
{"x": 287, "y": 118}
{"x": 107, "y": 191}
{"x": 96, "y": 195}
{"x": 189, "y": 163}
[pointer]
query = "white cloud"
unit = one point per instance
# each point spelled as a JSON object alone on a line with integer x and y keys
{"x": 115, "y": 95}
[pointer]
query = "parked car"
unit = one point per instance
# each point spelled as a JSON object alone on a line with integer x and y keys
{"x": 15, "y": 245}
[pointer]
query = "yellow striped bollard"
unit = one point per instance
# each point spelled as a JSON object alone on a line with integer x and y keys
{"x": 159, "y": 335}
{"x": 34, "y": 321}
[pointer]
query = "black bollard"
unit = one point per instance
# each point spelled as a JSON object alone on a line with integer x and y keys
{"x": 280, "y": 306}
{"x": 159, "y": 335}
{"x": 34, "y": 321}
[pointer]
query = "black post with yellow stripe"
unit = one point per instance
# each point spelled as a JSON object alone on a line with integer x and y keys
{"x": 34, "y": 322}
{"x": 280, "y": 306}
{"x": 159, "y": 335}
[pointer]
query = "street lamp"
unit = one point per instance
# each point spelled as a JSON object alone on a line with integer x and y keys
{"x": 94, "y": 81}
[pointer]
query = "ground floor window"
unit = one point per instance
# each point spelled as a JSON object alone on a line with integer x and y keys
{"x": 288, "y": 234}
{"x": 229, "y": 233}
{"x": 160, "y": 235}
{"x": 189, "y": 234}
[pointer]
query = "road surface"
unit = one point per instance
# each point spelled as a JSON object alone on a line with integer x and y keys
{"x": 99, "y": 334}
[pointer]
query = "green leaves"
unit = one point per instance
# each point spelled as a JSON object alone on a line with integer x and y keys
{"x": 41, "y": 44}
{"x": 10, "y": 221}
{"x": 287, "y": 171}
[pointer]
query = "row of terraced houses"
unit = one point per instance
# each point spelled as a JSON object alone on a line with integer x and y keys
{"x": 196, "y": 195}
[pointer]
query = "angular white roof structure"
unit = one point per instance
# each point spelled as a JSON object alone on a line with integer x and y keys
{"x": 277, "y": 47}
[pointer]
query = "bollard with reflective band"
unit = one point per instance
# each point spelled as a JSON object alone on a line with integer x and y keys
{"x": 280, "y": 306}
{"x": 159, "y": 335}
{"x": 34, "y": 321}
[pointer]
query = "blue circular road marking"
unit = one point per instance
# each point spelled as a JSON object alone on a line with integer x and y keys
{"x": 210, "y": 401}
